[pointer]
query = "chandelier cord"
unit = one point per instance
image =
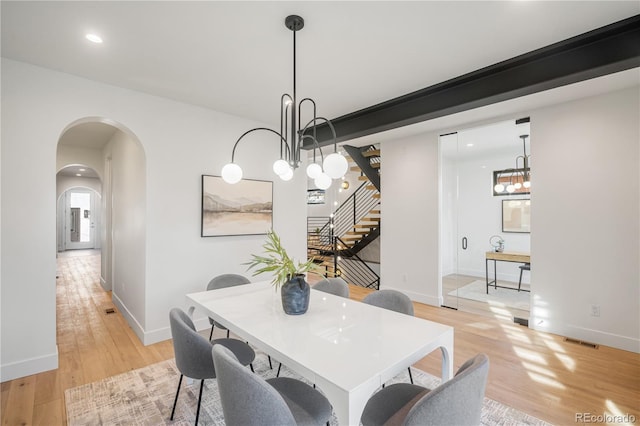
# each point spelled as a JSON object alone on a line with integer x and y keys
{"x": 292, "y": 135}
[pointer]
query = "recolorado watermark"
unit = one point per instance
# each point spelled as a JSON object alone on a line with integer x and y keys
{"x": 605, "y": 418}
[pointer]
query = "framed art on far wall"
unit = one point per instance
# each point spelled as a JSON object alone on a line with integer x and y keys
{"x": 516, "y": 215}
{"x": 244, "y": 208}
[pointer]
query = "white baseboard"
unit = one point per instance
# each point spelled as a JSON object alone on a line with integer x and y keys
{"x": 27, "y": 367}
{"x": 131, "y": 320}
{"x": 104, "y": 284}
{"x": 420, "y": 297}
{"x": 589, "y": 335}
{"x": 164, "y": 333}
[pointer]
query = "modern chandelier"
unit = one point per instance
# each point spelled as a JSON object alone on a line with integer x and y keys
{"x": 292, "y": 135}
{"x": 518, "y": 178}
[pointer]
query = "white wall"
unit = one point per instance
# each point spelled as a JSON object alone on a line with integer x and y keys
{"x": 180, "y": 143}
{"x": 409, "y": 253}
{"x": 585, "y": 244}
{"x": 585, "y": 247}
{"x": 128, "y": 221}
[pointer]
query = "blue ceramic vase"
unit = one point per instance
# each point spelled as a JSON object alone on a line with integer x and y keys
{"x": 295, "y": 295}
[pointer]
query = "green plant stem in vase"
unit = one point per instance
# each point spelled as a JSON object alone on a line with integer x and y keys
{"x": 277, "y": 261}
{"x": 287, "y": 273}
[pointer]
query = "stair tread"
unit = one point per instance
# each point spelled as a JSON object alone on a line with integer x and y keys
{"x": 375, "y": 165}
{"x": 371, "y": 153}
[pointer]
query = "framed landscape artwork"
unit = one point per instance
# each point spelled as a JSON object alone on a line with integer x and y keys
{"x": 244, "y": 208}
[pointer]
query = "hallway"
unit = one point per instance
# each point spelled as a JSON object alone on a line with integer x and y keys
{"x": 92, "y": 345}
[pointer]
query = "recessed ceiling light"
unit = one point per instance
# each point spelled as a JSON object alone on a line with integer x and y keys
{"x": 469, "y": 145}
{"x": 83, "y": 170}
{"x": 94, "y": 38}
{"x": 78, "y": 174}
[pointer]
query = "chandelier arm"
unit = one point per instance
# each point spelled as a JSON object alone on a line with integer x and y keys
{"x": 233, "y": 153}
{"x": 284, "y": 110}
{"x": 333, "y": 130}
{"x": 315, "y": 116}
{"x": 315, "y": 142}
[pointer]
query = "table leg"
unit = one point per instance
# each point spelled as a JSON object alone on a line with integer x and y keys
{"x": 495, "y": 274}
{"x": 349, "y": 406}
{"x": 447, "y": 358}
{"x": 486, "y": 272}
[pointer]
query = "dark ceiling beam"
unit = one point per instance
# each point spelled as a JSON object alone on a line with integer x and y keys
{"x": 606, "y": 50}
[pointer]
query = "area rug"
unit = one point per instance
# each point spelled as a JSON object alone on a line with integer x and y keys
{"x": 477, "y": 290}
{"x": 145, "y": 397}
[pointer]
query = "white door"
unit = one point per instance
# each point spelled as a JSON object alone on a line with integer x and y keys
{"x": 79, "y": 220}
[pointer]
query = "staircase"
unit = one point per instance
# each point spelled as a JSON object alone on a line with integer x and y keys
{"x": 334, "y": 242}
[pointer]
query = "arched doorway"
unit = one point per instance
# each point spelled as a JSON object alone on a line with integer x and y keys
{"x": 102, "y": 162}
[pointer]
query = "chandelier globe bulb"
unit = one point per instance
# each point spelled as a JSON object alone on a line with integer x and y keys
{"x": 231, "y": 173}
{"x": 314, "y": 170}
{"x": 280, "y": 167}
{"x": 323, "y": 181}
{"x": 287, "y": 175}
{"x": 335, "y": 165}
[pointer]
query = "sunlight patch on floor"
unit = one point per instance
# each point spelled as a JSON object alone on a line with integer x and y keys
{"x": 545, "y": 380}
{"x": 515, "y": 333}
{"x": 530, "y": 355}
{"x": 500, "y": 313}
{"x": 620, "y": 417}
{"x": 568, "y": 362}
{"x": 537, "y": 368}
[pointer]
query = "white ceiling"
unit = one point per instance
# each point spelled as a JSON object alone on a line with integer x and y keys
{"x": 235, "y": 57}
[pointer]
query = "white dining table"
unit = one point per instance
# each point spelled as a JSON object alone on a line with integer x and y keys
{"x": 348, "y": 349}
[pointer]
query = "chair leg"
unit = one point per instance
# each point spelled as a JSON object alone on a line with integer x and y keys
{"x": 176, "y": 400}
{"x": 251, "y": 365}
{"x": 278, "y": 373}
{"x": 199, "y": 401}
{"x": 410, "y": 376}
{"x": 211, "y": 334}
{"x": 227, "y": 333}
{"x": 270, "y": 366}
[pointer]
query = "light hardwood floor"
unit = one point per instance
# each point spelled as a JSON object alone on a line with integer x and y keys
{"x": 537, "y": 373}
{"x": 455, "y": 281}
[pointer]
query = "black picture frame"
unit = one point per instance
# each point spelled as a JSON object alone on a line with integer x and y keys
{"x": 315, "y": 196}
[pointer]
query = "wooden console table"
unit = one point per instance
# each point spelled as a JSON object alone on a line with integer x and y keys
{"x": 504, "y": 256}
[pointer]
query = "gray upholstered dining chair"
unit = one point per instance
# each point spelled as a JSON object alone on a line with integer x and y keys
{"x": 455, "y": 402}
{"x": 193, "y": 353}
{"x": 222, "y": 281}
{"x": 392, "y": 300}
{"x": 336, "y": 286}
{"x": 249, "y": 400}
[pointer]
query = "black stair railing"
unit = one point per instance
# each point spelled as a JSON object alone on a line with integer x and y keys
{"x": 354, "y": 209}
{"x": 354, "y": 270}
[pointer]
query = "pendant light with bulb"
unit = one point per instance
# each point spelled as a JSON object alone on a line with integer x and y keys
{"x": 292, "y": 135}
